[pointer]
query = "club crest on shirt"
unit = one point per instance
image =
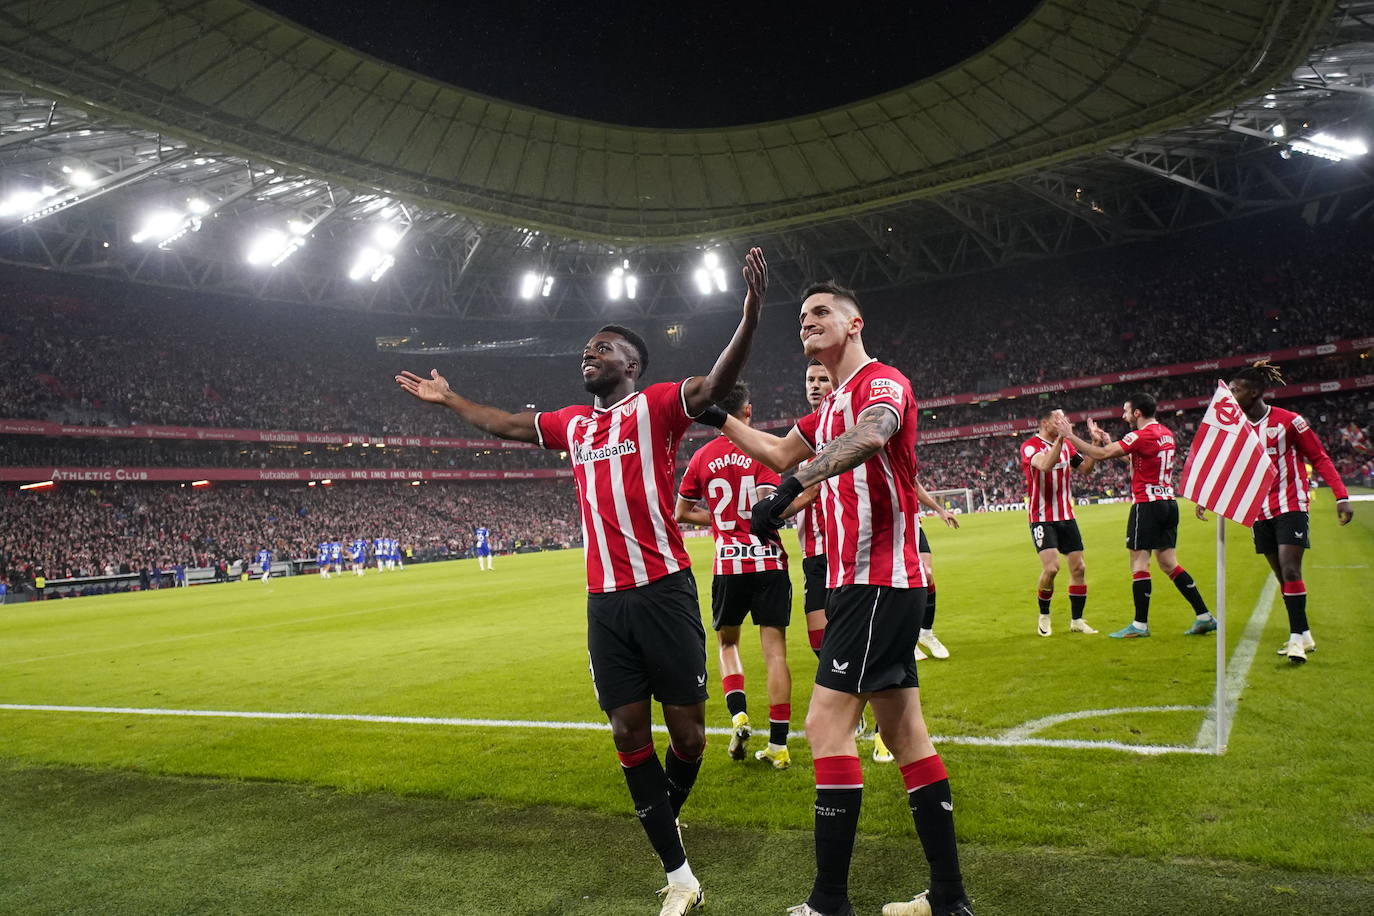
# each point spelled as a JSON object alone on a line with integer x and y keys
{"x": 1272, "y": 432}
{"x": 884, "y": 388}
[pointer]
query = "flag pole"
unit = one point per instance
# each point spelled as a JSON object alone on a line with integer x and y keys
{"x": 1221, "y": 635}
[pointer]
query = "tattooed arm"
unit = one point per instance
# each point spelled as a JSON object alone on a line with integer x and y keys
{"x": 851, "y": 448}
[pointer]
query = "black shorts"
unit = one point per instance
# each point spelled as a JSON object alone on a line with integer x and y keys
{"x": 1060, "y": 536}
{"x": 1152, "y": 526}
{"x": 648, "y": 642}
{"x": 766, "y": 595}
{"x": 870, "y": 638}
{"x": 815, "y": 591}
{"x": 923, "y": 546}
{"x": 1289, "y": 528}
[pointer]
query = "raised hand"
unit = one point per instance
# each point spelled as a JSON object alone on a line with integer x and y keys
{"x": 1098, "y": 434}
{"x": 756, "y": 279}
{"x": 1063, "y": 427}
{"x": 433, "y": 389}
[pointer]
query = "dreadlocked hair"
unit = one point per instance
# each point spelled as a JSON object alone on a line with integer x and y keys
{"x": 1261, "y": 374}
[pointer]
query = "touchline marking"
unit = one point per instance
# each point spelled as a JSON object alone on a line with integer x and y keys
{"x": 972, "y": 740}
{"x": 1238, "y": 668}
{"x": 1026, "y": 729}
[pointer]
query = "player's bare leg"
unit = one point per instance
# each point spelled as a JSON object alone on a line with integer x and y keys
{"x": 774, "y": 643}
{"x": 1078, "y": 592}
{"x": 1044, "y": 588}
{"x": 732, "y": 683}
{"x": 651, "y": 785}
{"x": 903, "y": 724}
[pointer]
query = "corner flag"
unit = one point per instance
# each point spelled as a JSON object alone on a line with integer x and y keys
{"x": 1228, "y": 470}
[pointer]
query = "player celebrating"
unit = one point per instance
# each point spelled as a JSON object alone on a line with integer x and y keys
{"x": 1153, "y": 523}
{"x": 863, "y": 437}
{"x": 644, "y": 632}
{"x": 265, "y": 563}
{"x": 750, "y": 578}
{"x": 322, "y": 559}
{"x": 481, "y": 547}
{"x": 357, "y": 556}
{"x": 336, "y": 557}
{"x": 811, "y": 527}
{"x": 1281, "y": 532}
{"x": 1048, "y": 460}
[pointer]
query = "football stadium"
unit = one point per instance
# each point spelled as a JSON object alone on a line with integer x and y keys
{"x": 500, "y": 459}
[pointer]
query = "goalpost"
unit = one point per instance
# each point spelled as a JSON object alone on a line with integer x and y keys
{"x": 960, "y": 499}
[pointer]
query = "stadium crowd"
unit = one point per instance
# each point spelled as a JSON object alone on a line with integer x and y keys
{"x": 83, "y": 530}
{"x": 157, "y": 359}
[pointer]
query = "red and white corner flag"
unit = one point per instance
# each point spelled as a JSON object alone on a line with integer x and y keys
{"x": 1228, "y": 470}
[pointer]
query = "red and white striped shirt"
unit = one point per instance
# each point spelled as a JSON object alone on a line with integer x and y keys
{"x": 1049, "y": 494}
{"x": 729, "y": 480}
{"x": 1292, "y": 445}
{"x": 1152, "y": 462}
{"x": 622, "y": 459}
{"x": 872, "y": 516}
{"x": 811, "y": 525}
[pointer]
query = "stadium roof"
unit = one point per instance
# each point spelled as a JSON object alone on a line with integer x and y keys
{"x": 1093, "y": 122}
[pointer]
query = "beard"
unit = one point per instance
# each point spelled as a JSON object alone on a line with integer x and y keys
{"x": 600, "y": 385}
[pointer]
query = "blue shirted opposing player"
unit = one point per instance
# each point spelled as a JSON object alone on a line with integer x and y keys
{"x": 481, "y": 548}
{"x": 322, "y": 559}
{"x": 381, "y": 552}
{"x": 265, "y": 562}
{"x": 357, "y": 556}
{"x": 336, "y": 557}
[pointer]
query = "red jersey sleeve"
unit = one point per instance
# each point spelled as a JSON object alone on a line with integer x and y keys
{"x": 807, "y": 427}
{"x": 668, "y": 405}
{"x": 552, "y": 427}
{"x": 691, "y": 479}
{"x": 1310, "y": 447}
{"x": 1130, "y": 442}
{"x": 885, "y": 389}
{"x": 1029, "y": 450}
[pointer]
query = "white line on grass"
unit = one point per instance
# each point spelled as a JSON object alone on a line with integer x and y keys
{"x": 1026, "y": 729}
{"x": 1238, "y": 668}
{"x": 973, "y": 740}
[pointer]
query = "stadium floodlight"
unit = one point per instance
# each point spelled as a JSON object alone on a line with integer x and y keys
{"x": 41, "y": 485}
{"x": 621, "y": 282}
{"x": 1279, "y": 130}
{"x": 198, "y": 206}
{"x": 20, "y": 202}
{"x": 1325, "y": 146}
{"x": 529, "y": 284}
{"x": 710, "y": 275}
{"x": 375, "y": 259}
{"x": 158, "y": 226}
{"x": 200, "y": 483}
{"x": 548, "y": 286}
{"x": 272, "y": 246}
{"x": 80, "y": 178}
{"x": 631, "y": 286}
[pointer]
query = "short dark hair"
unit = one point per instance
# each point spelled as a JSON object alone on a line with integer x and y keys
{"x": 1047, "y": 412}
{"x": 834, "y": 289}
{"x": 814, "y": 362}
{"x": 641, "y": 348}
{"x": 1260, "y": 374}
{"x": 734, "y": 402}
{"x": 1143, "y": 402}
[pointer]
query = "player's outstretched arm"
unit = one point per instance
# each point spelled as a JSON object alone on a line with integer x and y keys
{"x": 766, "y": 448}
{"x": 1097, "y": 452}
{"x": 925, "y": 499}
{"x": 852, "y": 447}
{"x": 847, "y": 451}
{"x": 494, "y": 420}
{"x": 701, "y": 392}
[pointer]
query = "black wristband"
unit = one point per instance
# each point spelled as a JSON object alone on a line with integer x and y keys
{"x": 712, "y": 416}
{"x": 787, "y": 491}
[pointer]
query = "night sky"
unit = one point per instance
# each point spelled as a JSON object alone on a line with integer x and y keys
{"x": 667, "y": 65}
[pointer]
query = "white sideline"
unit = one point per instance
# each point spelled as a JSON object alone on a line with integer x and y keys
{"x": 972, "y": 740}
{"x": 1026, "y": 729}
{"x": 1238, "y": 668}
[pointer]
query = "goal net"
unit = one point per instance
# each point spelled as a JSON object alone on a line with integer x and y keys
{"x": 959, "y": 500}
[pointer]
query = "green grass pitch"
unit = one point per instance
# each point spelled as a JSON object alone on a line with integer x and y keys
{"x": 109, "y": 812}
